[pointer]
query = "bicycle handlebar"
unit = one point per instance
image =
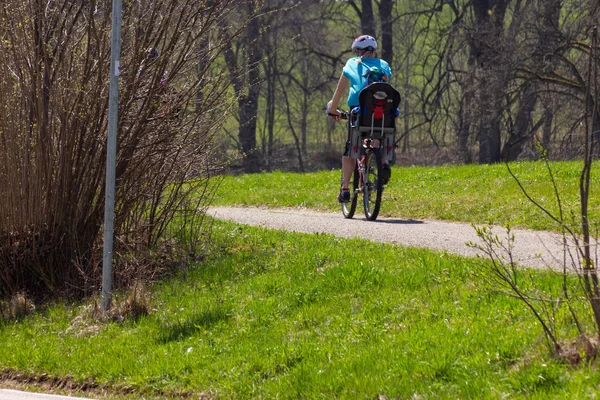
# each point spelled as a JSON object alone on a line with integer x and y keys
{"x": 343, "y": 115}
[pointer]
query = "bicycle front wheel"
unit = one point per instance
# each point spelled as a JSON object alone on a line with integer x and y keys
{"x": 348, "y": 209}
{"x": 373, "y": 185}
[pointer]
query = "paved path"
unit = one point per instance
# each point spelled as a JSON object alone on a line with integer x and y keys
{"x": 531, "y": 249}
{"x": 7, "y": 394}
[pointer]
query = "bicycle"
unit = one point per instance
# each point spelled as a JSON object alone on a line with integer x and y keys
{"x": 366, "y": 178}
{"x": 371, "y": 136}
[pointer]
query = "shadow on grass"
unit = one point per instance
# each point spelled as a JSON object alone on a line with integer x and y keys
{"x": 185, "y": 329}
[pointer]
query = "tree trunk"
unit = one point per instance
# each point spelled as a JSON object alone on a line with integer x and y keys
{"x": 387, "y": 30}
{"x": 305, "y": 104}
{"x": 406, "y": 140}
{"x": 489, "y": 73}
{"x": 522, "y": 131}
{"x": 548, "y": 42}
{"x": 529, "y": 98}
{"x": 247, "y": 92}
{"x": 367, "y": 21}
{"x": 464, "y": 152}
{"x": 270, "y": 106}
{"x": 547, "y": 128}
{"x": 489, "y": 119}
{"x": 247, "y": 132}
{"x": 249, "y": 104}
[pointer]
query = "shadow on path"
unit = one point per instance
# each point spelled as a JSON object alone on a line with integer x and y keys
{"x": 400, "y": 221}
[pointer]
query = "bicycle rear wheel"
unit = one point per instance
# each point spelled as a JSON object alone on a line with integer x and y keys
{"x": 348, "y": 209}
{"x": 373, "y": 186}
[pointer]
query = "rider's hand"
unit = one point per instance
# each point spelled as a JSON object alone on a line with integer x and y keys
{"x": 335, "y": 114}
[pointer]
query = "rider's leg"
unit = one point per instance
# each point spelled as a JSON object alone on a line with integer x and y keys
{"x": 348, "y": 164}
{"x": 386, "y": 171}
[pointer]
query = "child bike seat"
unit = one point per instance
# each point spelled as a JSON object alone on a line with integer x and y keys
{"x": 378, "y": 109}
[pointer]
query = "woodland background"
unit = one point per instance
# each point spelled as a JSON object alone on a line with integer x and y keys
{"x": 481, "y": 81}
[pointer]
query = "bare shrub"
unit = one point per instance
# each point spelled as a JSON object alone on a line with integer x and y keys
{"x": 17, "y": 307}
{"x": 53, "y": 124}
{"x": 571, "y": 307}
{"x": 576, "y": 303}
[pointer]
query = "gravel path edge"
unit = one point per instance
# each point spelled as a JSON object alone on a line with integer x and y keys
{"x": 530, "y": 248}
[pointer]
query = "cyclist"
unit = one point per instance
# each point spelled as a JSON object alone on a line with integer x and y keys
{"x": 354, "y": 78}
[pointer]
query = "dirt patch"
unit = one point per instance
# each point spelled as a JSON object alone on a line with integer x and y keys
{"x": 10, "y": 379}
{"x": 584, "y": 349}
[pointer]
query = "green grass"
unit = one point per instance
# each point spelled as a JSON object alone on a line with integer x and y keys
{"x": 272, "y": 314}
{"x": 472, "y": 193}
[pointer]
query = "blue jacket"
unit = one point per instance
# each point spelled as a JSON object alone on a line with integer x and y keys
{"x": 354, "y": 70}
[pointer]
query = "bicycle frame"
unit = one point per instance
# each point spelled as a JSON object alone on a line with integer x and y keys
{"x": 366, "y": 180}
{"x": 368, "y": 163}
{"x": 361, "y": 161}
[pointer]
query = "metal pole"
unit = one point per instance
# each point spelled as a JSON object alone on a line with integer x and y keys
{"x": 111, "y": 155}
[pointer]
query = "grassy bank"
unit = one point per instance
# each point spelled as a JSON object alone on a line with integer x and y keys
{"x": 470, "y": 193}
{"x": 272, "y": 314}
